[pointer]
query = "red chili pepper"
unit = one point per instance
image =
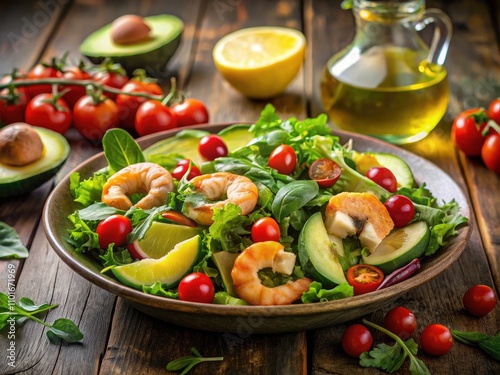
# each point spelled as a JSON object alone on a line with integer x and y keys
{"x": 400, "y": 274}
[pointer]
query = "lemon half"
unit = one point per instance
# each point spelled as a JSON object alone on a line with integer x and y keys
{"x": 260, "y": 62}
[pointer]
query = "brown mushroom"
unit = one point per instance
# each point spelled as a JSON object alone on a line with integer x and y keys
{"x": 20, "y": 144}
{"x": 129, "y": 29}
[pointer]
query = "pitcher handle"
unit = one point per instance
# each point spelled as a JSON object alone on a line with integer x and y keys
{"x": 442, "y": 34}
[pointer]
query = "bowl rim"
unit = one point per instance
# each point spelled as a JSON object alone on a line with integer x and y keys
{"x": 431, "y": 268}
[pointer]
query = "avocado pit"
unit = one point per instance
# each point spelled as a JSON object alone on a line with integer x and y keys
{"x": 129, "y": 29}
{"x": 20, "y": 145}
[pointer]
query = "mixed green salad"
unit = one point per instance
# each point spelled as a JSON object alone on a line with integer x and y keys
{"x": 163, "y": 250}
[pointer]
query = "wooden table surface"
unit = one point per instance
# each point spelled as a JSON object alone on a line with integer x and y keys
{"x": 119, "y": 339}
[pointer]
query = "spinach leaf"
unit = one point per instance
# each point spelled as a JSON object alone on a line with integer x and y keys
{"x": 120, "y": 149}
{"x": 11, "y": 246}
{"x": 490, "y": 344}
{"x": 293, "y": 196}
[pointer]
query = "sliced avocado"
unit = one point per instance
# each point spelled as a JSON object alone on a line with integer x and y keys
{"x": 20, "y": 180}
{"x": 166, "y": 33}
{"x": 394, "y": 163}
{"x": 317, "y": 255}
{"x": 400, "y": 247}
{"x": 224, "y": 261}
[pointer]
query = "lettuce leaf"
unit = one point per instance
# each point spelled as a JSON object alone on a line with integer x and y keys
{"x": 316, "y": 293}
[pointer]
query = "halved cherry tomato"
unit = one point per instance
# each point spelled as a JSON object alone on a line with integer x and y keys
{"x": 466, "y": 131}
{"x": 153, "y": 116}
{"x": 41, "y": 111}
{"x": 479, "y": 300}
{"x": 92, "y": 119}
{"x": 436, "y": 339}
{"x": 326, "y": 172}
{"x": 383, "y": 177}
{"x": 212, "y": 147}
{"x": 196, "y": 287}
{"x": 400, "y": 321}
{"x": 356, "y": 340}
{"x": 113, "y": 229}
{"x": 283, "y": 159}
{"x": 265, "y": 229}
{"x": 181, "y": 169}
{"x": 401, "y": 209}
{"x": 179, "y": 218}
{"x": 364, "y": 278}
{"x": 490, "y": 152}
{"x": 190, "y": 112}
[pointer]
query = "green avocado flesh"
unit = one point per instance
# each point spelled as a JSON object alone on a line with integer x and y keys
{"x": 166, "y": 32}
{"x": 20, "y": 180}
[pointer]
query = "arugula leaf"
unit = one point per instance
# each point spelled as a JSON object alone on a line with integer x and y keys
{"x": 140, "y": 230}
{"x": 11, "y": 246}
{"x": 120, "y": 149}
{"x": 188, "y": 362}
{"x": 489, "y": 344}
{"x": 317, "y": 294}
{"x": 293, "y": 196}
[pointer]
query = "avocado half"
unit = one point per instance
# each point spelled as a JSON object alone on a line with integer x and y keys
{"x": 20, "y": 180}
{"x": 154, "y": 53}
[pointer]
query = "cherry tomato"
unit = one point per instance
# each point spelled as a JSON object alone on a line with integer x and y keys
{"x": 265, "y": 229}
{"x": 400, "y": 321}
{"x": 73, "y": 93}
{"x": 490, "y": 152}
{"x": 466, "y": 133}
{"x": 179, "y": 218}
{"x": 152, "y": 117}
{"x": 212, "y": 147}
{"x": 356, "y": 340}
{"x": 41, "y": 112}
{"x": 196, "y": 287}
{"x": 13, "y": 109}
{"x": 190, "y": 112}
{"x": 401, "y": 210}
{"x": 283, "y": 159}
{"x": 364, "y": 278}
{"x": 113, "y": 229}
{"x": 128, "y": 105}
{"x": 383, "y": 177}
{"x": 436, "y": 339}
{"x": 494, "y": 110}
{"x": 41, "y": 71}
{"x": 181, "y": 169}
{"x": 93, "y": 119}
{"x": 326, "y": 172}
{"x": 113, "y": 79}
{"x": 479, "y": 300}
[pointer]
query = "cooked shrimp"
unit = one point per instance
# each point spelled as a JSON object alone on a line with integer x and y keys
{"x": 236, "y": 189}
{"x": 358, "y": 213}
{"x": 269, "y": 254}
{"x": 148, "y": 178}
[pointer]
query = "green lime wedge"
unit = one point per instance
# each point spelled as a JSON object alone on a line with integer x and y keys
{"x": 168, "y": 270}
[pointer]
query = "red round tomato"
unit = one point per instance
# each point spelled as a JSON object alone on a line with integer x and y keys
{"x": 153, "y": 116}
{"x": 41, "y": 111}
{"x": 178, "y": 218}
{"x": 479, "y": 300}
{"x": 283, "y": 159}
{"x": 115, "y": 79}
{"x": 326, "y": 172}
{"x": 73, "y": 93}
{"x": 466, "y": 131}
{"x": 401, "y": 209}
{"x": 356, "y": 340}
{"x": 265, "y": 229}
{"x": 93, "y": 119}
{"x": 128, "y": 104}
{"x": 436, "y": 339}
{"x": 190, "y": 112}
{"x": 383, "y": 177}
{"x": 364, "y": 278}
{"x": 41, "y": 71}
{"x": 181, "y": 169}
{"x": 196, "y": 287}
{"x": 113, "y": 229}
{"x": 13, "y": 109}
{"x": 212, "y": 147}
{"x": 400, "y": 321}
{"x": 490, "y": 152}
{"x": 494, "y": 110}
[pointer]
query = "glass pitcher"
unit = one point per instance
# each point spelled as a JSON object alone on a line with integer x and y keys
{"x": 388, "y": 83}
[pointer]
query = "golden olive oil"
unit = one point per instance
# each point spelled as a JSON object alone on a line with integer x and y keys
{"x": 390, "y": 92}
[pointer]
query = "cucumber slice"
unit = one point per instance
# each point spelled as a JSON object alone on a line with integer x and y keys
{"x": 394, "y": 163}
{"x": 400, "y": 247}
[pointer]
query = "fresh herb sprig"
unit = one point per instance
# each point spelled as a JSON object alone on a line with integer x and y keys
{"x": 188, "y": 362}
{"x": 62, "y": 329}
{"x": 391, "y": 358}
{"x": 489, "y": 344}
